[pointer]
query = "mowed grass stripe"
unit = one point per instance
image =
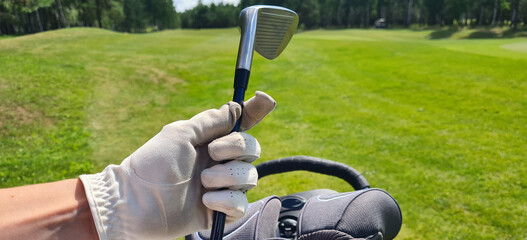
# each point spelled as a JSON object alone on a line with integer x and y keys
{"x": 440, "y": 124}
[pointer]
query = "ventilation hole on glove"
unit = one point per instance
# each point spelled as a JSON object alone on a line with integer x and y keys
{"x": 231, "y": 169}
{"x": 232, "y": 174}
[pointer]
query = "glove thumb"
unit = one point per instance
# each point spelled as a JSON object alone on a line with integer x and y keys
{"x": 208, "y": 125}
{"x": 255, "y": 109}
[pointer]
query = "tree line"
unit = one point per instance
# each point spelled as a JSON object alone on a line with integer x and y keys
{"x": 29, "y": 16}
{"x": 404, "y": 13}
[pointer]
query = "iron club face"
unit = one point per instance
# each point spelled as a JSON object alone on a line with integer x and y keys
{"x": 266, "y": 29}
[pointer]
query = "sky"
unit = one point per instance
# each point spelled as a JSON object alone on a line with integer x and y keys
{"x": 182, "y": 5}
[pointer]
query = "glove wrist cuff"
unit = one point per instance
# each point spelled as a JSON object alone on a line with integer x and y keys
{"x": 103, "y": 195}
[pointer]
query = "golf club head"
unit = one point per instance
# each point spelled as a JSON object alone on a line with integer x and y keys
{"x": 266, "y": 29}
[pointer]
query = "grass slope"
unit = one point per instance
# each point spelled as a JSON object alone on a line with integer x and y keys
{"x": 440, "y": 124}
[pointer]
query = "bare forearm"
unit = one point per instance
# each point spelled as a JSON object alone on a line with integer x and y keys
{"x": 57, "y": 210}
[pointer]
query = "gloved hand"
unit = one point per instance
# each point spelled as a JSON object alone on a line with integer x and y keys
{"x": 166, "y": 188}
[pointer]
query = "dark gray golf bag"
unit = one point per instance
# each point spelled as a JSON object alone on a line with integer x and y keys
{"x": 322, "y": 214}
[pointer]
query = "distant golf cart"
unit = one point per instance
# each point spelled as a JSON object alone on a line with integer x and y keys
{"x": 380, "y": 23}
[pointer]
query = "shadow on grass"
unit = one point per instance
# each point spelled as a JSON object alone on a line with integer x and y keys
{"x": 443, "y": 33}
{"x": 511, "y": 33}
{"x": 479, "y": 33}
{"x": 482, "y": 34}
{"x": 489, "y": 34}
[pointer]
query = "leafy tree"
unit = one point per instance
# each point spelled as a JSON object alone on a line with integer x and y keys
{"x": 211, "y": 16}
{"x": 515, "y": 4}
{"x": 309, "y": 12}
{"x": 134, "y": 16}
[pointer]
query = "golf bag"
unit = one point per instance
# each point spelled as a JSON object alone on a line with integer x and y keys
{"x": 321, "y": 214}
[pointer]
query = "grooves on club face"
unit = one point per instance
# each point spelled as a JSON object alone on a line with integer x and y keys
{"x": 274, "y": 30}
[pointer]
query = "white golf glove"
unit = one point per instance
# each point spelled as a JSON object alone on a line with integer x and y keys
{"x": 167, "y": 188}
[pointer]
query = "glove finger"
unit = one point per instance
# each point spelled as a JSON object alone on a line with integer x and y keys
{"x": 234, "y": 175}
{"x": 255, "y": 109}
{"x": 232, "y": 203}
{"x": 206, "y": 126}
{"x": 235, "y": 146}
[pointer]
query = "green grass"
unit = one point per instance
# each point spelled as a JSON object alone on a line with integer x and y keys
{"x": 438, "y": 123}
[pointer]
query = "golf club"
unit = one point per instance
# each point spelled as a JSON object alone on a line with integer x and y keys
{"x": 266, "y": 29}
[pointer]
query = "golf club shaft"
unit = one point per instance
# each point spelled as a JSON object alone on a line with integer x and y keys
{"x": 241, "y": 80}
{"x": 218, "y": 224}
